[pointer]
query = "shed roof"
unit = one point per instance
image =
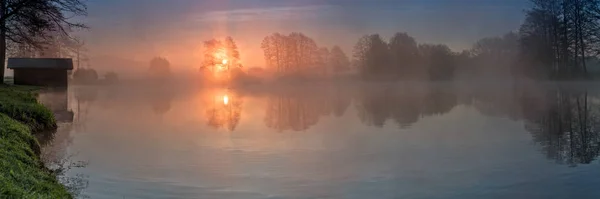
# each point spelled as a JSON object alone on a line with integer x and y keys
{"x": 40, "y": 63}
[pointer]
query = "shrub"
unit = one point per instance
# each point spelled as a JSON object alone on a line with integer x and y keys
{"x": 22, "y": 94}
{"x": 20, "y": 103}
{"x": 111, "y": 77}
{"x": 85, "y": 76}
{"x": 159, "y": 68}
{"x": 35, "y": 115}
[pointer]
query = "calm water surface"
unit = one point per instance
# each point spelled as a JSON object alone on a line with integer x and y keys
{"x": 326, "y": 141}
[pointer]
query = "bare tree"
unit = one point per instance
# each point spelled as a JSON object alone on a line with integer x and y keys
{"x": 558, "y": 36}
{"x": 291, "y": 54}
{"x": 31, "y": 22}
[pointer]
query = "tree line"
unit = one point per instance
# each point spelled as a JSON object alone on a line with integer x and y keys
{"x": 559, "y": 36}
{"x": 402, "y": 58}
{"x": 559, "y": 39}
{"x": 373, "y": 58}
{"x": 297, "y": 53}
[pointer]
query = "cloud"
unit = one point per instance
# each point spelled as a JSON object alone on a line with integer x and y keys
{"x": 274, "y": 13}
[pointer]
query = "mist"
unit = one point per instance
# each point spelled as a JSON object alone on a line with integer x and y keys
{"x": 319, "y": 98}
{"x": 127, "y": 39}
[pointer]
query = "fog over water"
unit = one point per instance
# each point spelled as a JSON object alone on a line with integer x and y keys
{"x": 323, "y": 140}
{"x": 326, "y": 99}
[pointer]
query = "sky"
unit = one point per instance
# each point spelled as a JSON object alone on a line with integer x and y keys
{"x": 137, "y": 30}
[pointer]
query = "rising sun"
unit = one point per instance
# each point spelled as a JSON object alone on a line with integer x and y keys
{"x": 225, "y": 100}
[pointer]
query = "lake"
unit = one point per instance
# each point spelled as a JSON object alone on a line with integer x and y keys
{"x": 403, "y": 140}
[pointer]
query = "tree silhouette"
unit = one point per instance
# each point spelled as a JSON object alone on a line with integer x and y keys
{"x": 31, "y": 22}
{"x": 404, "y": 55}
{"x": 558, "y": 36}
{"x": 232, "y": 50}
{"x": 439, "y": 61}
{"x": 371, "y": 57}
{"x": 159, "y": 68}
{"x": 338, "y": 60}
{"x": 402, "y": 58}
{"x": 221, "y": 58}
{"x": 495, "y": 56}
{"x": 212, "y": 48}
{"x": 294, "y": 54}
{"x": 322, "y": 61}
{"x": 567, "y": 129}
{"x": 111, "y": 77}
{"x": 85, "y": 76}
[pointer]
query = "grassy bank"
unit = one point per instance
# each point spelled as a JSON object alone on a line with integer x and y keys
{"x": 22, "y": 173}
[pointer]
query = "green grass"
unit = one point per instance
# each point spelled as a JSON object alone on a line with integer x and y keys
{"x": 22, "y": 173}
{"x": 9, "y": 80}
{"x": 20, "y": 103}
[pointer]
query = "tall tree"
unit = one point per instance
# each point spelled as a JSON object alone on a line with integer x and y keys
{"x": 232, "y": 51}
{"x": 338, "y": 60}
{"x": 159, "y": 68}
{"x": 213, "y": 54}
{"x": 404, "y": 55}
{"x": 32, "y": 21}
{"x": 439, "y": 61}
{"x": 558, "y": 36}
{"x": 495, "y": 56}
{"x": 291, "y": 54}
{"x": 322, "y": 58}
{"x": 371, "y": 55}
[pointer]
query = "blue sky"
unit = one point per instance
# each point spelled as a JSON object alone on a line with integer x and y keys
{"x": 139, "y": 29}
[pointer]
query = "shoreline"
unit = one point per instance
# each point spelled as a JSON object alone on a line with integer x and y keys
{"x": 22, "y": 172}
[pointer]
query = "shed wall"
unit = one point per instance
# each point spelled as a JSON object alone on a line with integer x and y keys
{"x": 41, "y": 77}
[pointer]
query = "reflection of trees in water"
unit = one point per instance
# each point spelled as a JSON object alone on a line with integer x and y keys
{"x": 160, "y": 100}
{"x": 404, "y": 105}
{"x": 54, "y": 144}
{"x": 340, "y": 102}
{"x": 161, "y": 104}
{"x": 84, "y": 98}
{"x": 564, "y": 122}
{"x": 373, "y": 107}
{"x": 439, "y": 100}
{"x": 224, "y": 111}
{"x": 499, "y": 101}
{"x": 295, "y": 113}
{"x": 298, "y": 110}
{"x": 567, "y": 128}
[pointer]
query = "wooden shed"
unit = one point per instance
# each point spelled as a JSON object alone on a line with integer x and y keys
{"x": 41, "y": 71}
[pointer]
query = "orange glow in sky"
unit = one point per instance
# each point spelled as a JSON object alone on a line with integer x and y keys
{"x": 225, "y": 100}
{"x": 180, "y": 40}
